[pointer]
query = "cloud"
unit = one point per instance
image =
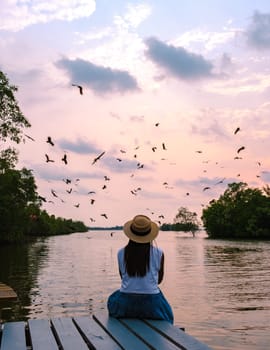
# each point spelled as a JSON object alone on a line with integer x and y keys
{"x": 258, "y": 32}
{"x": 17, "y": 14}
{"x": 59, "y": 174}
{"x": 98, "y": 78}
{"x": 177, "y": 61}
{"x": 214, "y": 131}
{"x": 79, "y": 146}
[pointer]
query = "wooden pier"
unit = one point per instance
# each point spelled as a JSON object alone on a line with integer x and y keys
{"x": 95, "y": 332}
{"x": 7, "y": 292}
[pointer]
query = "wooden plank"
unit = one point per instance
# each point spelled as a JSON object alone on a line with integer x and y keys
{"x": 13, "y": 336}
{"x": 7, "y": 292}
{"x": 68, "y": 335}
{"x": 41, "y": 335}
{"x": 177, "y": 336}
{"x": 95, "y": 334}
{"x": 154, "y": 339}
{"x": 119, "y": 332}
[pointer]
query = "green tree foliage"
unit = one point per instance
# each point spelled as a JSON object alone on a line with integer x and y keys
{"x": 184, "y": 220}
{"x": 240, "y": 213}
{"x": 18, "y": 198}
{"x": 12, "y": 122}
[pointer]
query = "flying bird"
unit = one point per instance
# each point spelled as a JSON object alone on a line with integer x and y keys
{"x": 54, "y": 193}
{"x": 43, "y": 199}
{"x": 29, "y": 137}
{"x": 236, "y": 130}
{"x": 106, "y": 178}
{"x": 64, "y": 159}
{"x": 79, "y": 87}
{"x": 69, "y": 191}
{"x": 154, "y": 149}
{"x": 98, "y": 157}
{"x": 104, "y": 215}
{"x": 220, "y": 182}
{"x": 77, "y": 205}
{"x": 206, "y": 188}
{"x": 48, "y": 159}
{"x": 163, "y": 146}
{"x": 67, "y": 181}
{"x": 49, "y": 140}
{"x": 92, "y": 201}
{"x": 157, "y": 124}
{"x": 240, "y": 149}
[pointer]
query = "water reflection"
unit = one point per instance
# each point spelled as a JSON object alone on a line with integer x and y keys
{"x": 19, "y": 267}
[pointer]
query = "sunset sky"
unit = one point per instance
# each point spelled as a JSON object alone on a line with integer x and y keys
{"x": 165, "y": 86}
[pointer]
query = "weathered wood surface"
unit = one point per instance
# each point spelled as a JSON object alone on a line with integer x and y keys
{"x": 95, "y": 332}
{"x": 7, "y": 292}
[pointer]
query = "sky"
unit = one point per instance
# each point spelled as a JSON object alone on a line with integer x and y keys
{"x": 165, "y": 87}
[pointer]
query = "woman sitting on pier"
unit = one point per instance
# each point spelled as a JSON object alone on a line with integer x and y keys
{"x": 141, "y": 267}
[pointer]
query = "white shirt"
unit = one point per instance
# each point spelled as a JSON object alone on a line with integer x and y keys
{"x": 147, "y": 284}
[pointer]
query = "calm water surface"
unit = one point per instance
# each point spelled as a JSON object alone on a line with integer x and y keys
{"x": 219, "y": 290}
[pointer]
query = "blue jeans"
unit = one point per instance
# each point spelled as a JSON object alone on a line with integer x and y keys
{"x": 131, "y": 305}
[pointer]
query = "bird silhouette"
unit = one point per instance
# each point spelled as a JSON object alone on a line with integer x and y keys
{"x": 240, "y": 149}
{"x": 220, "y": 182}
{"x": 163, "y": 146}
{"x": 104, "y": 215}
{"x": 77, "y": 205}
{"x": 69, "y": 191}
{"x": 154, "y": 149}
{"x": 104, "y": 186}
{"x": 157, "y": 124}
{"x": 54, "y": 193}
{"x": 91, "y": 192}
{"x": 49, "y": 140}
{"x": 48, "y": 159}
{"x": 92, "y": 201}
{"x": 43, "y": 199}
{"x": 79, "y": 87}
{"x": 119, "y": 159}
{"x": 236, "y": 130}
{"x": 92, "y": 220}
{"x": 106, "y": 178}
{"x": 29, "y": 137}
{"x": 64, "y": 159}
{"x": 206, "y": 188}
{"x": 98, "y": 157}
{"x": 67, "y": 181}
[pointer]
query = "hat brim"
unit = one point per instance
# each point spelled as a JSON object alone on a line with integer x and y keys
{"x": 141, "y": 239}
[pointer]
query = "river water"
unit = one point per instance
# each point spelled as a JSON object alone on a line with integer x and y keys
{"x": 219, "y": 290}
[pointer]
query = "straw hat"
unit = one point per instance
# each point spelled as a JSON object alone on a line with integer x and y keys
{"x": 141, "y": 229}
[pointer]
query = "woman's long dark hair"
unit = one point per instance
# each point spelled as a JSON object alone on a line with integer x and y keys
{"x": 137, "y": 256}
